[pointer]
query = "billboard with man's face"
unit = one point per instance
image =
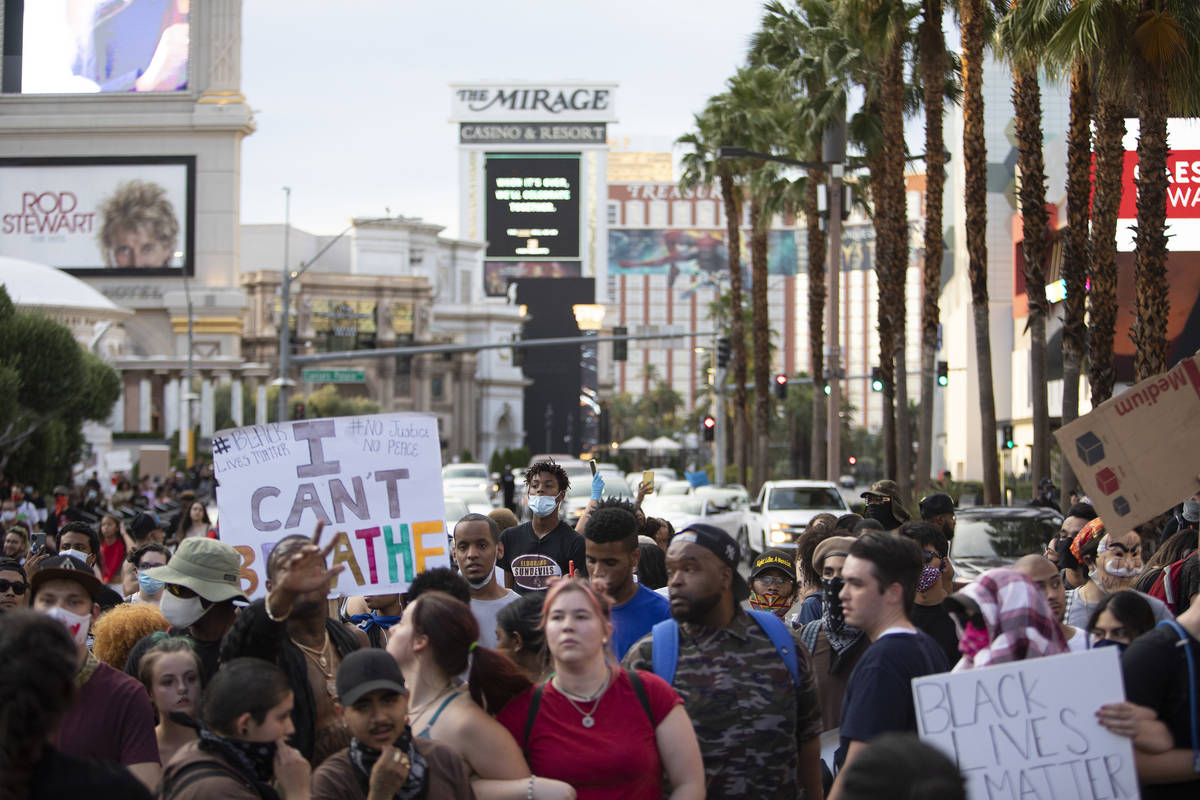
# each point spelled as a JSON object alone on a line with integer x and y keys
{"x": 92, "y": 216}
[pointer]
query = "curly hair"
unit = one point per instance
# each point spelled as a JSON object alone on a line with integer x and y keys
{"x": 549, "y": 465}
{"x": 136, "y": 206}
{"x": 118, "y": 630}
{"x": 86, "y": 530}
{"x": 37, "y": 685}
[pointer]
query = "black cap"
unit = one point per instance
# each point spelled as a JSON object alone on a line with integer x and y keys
{"x": 774, "y": 559}
{"x": 140, "y": 526}
{"x": 365, "y": 671}
{"x": 723, "y": 546}
{"x": 935, "y": 505}
{"x": 66, "y": 568}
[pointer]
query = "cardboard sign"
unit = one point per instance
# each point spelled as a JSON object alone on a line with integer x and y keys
{"x": 375, "y": 481}
{"x": 1028, "y": 730}
{"x": 1134, "y": 455}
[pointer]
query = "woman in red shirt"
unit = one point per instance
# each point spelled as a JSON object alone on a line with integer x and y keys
{"x": 112, "y": 549}
{"x": 608, "y": 732}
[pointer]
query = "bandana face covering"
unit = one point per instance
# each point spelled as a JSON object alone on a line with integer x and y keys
{"x": 929, "y": 576}
{"x": 831, "y": 604}
{"x": 777, "y": 604}
{"x": 974, "y": 639}
{"x": 416, "y": 785}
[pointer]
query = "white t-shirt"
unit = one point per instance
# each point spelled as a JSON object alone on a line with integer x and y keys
{"x": 485, "y": 612}
{"x": 1078, "y": 641}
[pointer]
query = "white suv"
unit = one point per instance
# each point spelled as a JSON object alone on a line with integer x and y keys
{"x": 783, "y": 510}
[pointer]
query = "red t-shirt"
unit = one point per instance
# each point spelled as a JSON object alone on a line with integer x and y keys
{"x": 112, "y": 556}
{"x": 111, "y": 720}
{"x": 617, "y": 758}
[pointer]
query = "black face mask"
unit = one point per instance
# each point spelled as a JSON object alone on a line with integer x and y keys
{"x": 831, "y": 604}
{"x": 881, "y": 513}
{"x": 1111, "y": 643}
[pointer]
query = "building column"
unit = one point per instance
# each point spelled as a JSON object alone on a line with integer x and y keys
{"x": 117, "y": 423}
{"x": 144, "y": 404}
{"x": 235, "y": 400}
{"x": 208, "y": 421}
{"x": 260, "y": 404}
{"x": 171, "y": 420}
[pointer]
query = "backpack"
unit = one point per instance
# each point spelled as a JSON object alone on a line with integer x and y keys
{"x": 1167, "y": 587}
{"x": 666, "y": 645}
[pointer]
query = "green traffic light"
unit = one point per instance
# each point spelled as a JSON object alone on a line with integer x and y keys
{"x": 943, "y": 380}
{"x": 827, "y": 389}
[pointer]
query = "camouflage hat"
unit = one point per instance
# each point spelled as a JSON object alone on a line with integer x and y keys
{"x": 890, "y": 490}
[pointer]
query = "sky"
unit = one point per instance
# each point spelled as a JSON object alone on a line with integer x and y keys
{"x": 351, "y": 107}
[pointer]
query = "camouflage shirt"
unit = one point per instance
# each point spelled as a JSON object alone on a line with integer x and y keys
{"x": 749, "y": 717}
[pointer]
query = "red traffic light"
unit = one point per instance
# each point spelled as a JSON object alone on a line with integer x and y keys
{"x": 781, "y": 379}
{"x": 710, "y": 423}
{"x": 852, "y": 460}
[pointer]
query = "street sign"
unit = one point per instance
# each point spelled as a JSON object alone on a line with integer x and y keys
{"x": 333, "y": 376}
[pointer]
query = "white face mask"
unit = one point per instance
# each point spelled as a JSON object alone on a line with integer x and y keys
{"x": 77, "y": 625}
{"x": 178, "y": 612}
{"x": 543, "y": 505}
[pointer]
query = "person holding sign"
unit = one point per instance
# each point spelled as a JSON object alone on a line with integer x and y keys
{"x": 881, "y": 574}
{"x": 545, "y": 547}
{"x": 291, "y": 628}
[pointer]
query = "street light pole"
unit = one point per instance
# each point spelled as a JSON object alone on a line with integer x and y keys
{"x": 834, "y": 153}
{"x": 285, "y": 313}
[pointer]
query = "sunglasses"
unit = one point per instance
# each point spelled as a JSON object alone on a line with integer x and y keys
{"x": 18, "y": 587}
{"x": 184, "y": 593}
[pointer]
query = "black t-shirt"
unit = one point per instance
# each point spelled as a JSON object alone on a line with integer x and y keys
{"x": 1156, "y": 675}
{"x": 879, "y": 693}
{"x": 533, "y": 561}
{"x": 937, "y": 622}
{"x": 57, "y": 775}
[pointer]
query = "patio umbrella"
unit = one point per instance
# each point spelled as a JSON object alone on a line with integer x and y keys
{"x": 636, "y": 443}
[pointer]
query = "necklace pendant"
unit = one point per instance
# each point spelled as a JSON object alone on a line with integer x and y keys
{"x": 323, "y": 661}
{"x": 588, "y": 721}
{"x": 331, "y": 687}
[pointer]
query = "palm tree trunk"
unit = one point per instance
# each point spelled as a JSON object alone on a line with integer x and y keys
{"x": 1027, "y": 106}
{"x": 762, "y": 341}
{"x": 737, "y": 335}
{"x": 1106, "y": 204}
{"x": 975, "y": 169}
{"x": 933, "y": 63}
{"x": 1075, "y": 247}
{"x": 883, "y": 278}
{"x": 816, "y": 320}
{"x": 1152, "y": 298}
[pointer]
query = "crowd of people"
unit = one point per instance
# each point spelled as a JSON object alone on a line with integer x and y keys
{"x": 616, "y": 659}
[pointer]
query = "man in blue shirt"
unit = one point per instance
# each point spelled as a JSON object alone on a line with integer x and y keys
{"x": 612, "y": 556}
{"x": 880, "y": 576}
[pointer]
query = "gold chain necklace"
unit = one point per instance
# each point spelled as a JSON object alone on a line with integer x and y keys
{"x": 322, "y": 662}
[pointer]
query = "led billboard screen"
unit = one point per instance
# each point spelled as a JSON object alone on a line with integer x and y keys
{"x": 116, "y": 216}
{"x": 96, "y": 46}
{"x": 532, "y": 207}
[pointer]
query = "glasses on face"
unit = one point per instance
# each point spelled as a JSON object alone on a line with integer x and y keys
{"x": 18, "y": 587}
{"x": 774, "y": 581}
{"x": 184, "y": 593}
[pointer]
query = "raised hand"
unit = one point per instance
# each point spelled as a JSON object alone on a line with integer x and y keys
{"x": 302, "y": 572}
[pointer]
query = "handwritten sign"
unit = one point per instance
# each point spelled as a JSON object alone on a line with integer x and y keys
{"x": 375, "y": 481}
{"x": 1028, "y": 731}
{"x": 1132, "y": 454}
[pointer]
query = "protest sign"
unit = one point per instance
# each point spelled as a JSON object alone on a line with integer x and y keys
{"x": 375, "y": 481}
{"x": 1028, "y": 730}
{"x": 1135, "y": 454}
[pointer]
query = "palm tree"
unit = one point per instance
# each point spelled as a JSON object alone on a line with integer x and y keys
{"x": 931, "y": 48}
{"x": 701, "y": 167}
{"x": 1022, "y": 47}
{"x": 972, "y": 17}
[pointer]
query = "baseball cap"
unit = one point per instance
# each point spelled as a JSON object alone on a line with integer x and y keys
{"x": 890, "y": 490}
{"x": 66, "y": 567}
{"x": 365, "y": 671}
{"x": 773, "y": 559}
{"x": 833, "y": 546}
{"x": 140, "y": 526}
{"x": 208, "y": 567}
{"x": 720, "y": 544}
{"x": 936, "y": 504}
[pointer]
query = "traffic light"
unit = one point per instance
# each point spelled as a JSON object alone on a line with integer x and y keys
{"x": 298, "y": 411}
{"x": 723, "y": 350}
{"x": 828, "y": 390}
{"x": 1009, "y": 442}
{"x": 852, "y": 461}
{"x": 943, "y": 376}
{"x": 710, "y": 427}
{"x": 621, "y": 346}
{"x": 781, "y": 387}
{"x": 876, "y": 379}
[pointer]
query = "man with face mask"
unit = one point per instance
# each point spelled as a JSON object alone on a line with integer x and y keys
{"x": 927, "y": 613}
{"x": 834, "y": 645}
{"x": 200, "y": 585}
{"x": 111, "y": 719}
{"x": 884, "y": 505}
{"x": 544, "y": 548}
{"x": 773, "y": 583}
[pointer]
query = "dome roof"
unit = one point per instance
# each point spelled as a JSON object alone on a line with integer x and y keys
{"x": 33, "y": 285}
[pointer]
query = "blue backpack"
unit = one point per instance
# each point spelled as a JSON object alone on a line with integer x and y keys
{"x": 666, "y": 645}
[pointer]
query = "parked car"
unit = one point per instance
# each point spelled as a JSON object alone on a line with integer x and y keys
{"x": 683, "y": 509}
{"x": 783, "y": 509}
{"x": 987, "y": 537}
{"x": 580, "y": 494}
{"x": 478, "y": 501}
{"x": 466, "y": 476}
{"x": 670, "y": 488}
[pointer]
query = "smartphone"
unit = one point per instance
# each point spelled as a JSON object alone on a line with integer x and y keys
{"x": 38, "y": 541}
{"x": 648, "y": 477}
{"x": 593, "y": 463}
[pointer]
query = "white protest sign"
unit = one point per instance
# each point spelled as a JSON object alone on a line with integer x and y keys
{"x": 375, "y": 481}
{"x": 1135, "y": 453}
{"x": 1028, "y": 730}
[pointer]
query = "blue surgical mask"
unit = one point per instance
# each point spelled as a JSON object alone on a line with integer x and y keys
{"x": 543, "y": 505}
{"x": 149, "y": 585}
